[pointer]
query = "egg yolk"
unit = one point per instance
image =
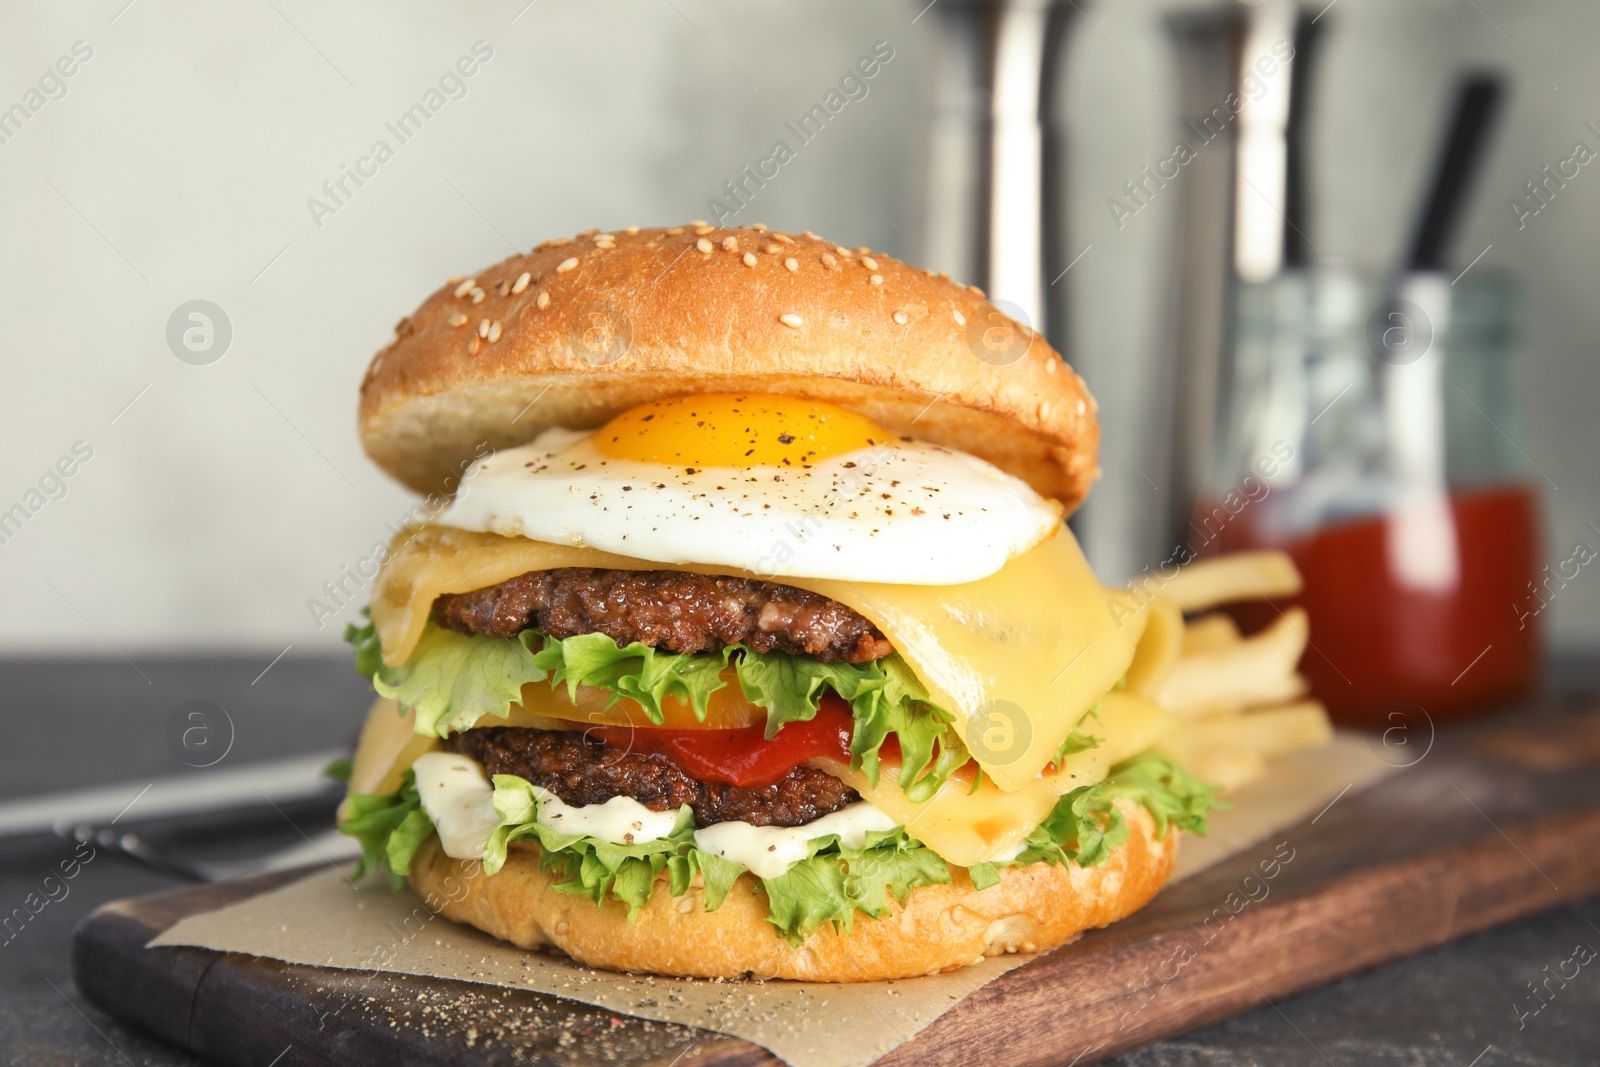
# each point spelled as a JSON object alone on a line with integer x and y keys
{"x": 722, "y": 430}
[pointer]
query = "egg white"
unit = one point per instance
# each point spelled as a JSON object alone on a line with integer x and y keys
{"x": 903, "y": 512}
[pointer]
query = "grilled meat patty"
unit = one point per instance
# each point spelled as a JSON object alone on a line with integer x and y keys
{"x": 672, "y": 610}
{"x": 581, "y": 769}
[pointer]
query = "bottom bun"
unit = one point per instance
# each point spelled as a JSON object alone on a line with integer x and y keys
{"x": 940, "y": 928}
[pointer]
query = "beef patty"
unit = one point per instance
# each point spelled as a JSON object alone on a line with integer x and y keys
{"x": 581, "y": 769}
{"x": 673, "y": 610}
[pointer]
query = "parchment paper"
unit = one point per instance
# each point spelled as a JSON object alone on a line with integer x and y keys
{"x": 323, "y": 921}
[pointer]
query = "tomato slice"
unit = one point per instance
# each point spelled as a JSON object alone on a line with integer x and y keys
{"x": 743, "y": 757}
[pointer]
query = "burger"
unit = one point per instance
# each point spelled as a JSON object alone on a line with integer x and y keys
{"x": 746, "y": 636}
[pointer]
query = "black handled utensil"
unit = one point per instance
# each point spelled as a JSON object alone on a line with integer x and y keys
{"x": 1459, "y": 160}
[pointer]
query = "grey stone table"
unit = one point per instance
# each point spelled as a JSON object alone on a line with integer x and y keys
{"x": 76, "y": 723}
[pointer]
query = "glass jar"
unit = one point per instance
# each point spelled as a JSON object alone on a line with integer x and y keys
{"x": 1372, "y": 429}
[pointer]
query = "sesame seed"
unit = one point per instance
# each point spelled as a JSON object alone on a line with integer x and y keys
{"x": 863, "y": 250}
{"x": 543, "y": 301}
{"x": 505, "y": 286}
{"x": 483, "y": 327}
{"x": 454, "y": 278}
{"x": 869, "y": 263}
{"x": 466, "y": 286}
{"x": 749, "y": 259}
{"x": 588, "y": 233}
{"x": 792, "y": 263}
{"x": 477, "y": 296}
{"x": 901, "y": 318}
{"x": 567, "y": 264}
{"x": 961, "y": 320}
{"x": 704, "y": 245}
{"x": 730, "y": 243}
{"x": 458, "y": 319}
{"x": 494, "y": 331}
{"x": 474, "y": 347}
{"x": 631, "y": 228}
{"x": 842, "y": 250}
{"x": 522, "y": 282}
{"x": 791, "y": 320}
{"x": 699, "y": 222}
{"x": 808, "y": 233}
{"x": 675, "y": 231}
{"x": 703, "y": 229}
{"x": 759, "y": 227}
{"x": 783, "y": 238}
{"x": 829, "y": 262}
{"x": 772, "y": 250}
{"x": 876, "y": 279}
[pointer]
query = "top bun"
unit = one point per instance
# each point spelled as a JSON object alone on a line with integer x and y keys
{"x": 583, "y": 328}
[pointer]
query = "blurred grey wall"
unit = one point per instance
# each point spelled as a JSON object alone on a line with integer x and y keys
{"x": 1381, "y": 93}
{"x": 184, "y": 158}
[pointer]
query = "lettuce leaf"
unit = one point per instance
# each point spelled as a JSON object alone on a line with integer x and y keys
{"x": 638, "y": 671}
{"x": 836, "y": 881}
{"x": 1085, "y": 825}
{"x": 452, "y": 680}
{"x": 829, "y": 886}
{"x": 791, "y": 687}
{"x": 716, "y": 874}
{"x": 1168, "y": 792}
{"x": 390, "y": 827}
{"x": 586, "y": 866}
{"x": 369, "y": 650}
{"x": 1075, "y": 742}
{"x": 885, "y": 700}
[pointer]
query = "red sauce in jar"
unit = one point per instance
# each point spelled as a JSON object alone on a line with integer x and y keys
{"x": 1379, "y": 644}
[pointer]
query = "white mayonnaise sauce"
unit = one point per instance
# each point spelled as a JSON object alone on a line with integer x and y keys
{"x": 457, "y": 796}
{"x": 620, "y": 820}
{"x": 770, "y": 850}
{"x": 460, "y": 801}
{"x": 1006, "y": 855}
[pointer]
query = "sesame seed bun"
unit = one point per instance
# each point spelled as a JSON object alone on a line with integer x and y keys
{"x": 939, "y": 928}
{"x": 581, "y": 329}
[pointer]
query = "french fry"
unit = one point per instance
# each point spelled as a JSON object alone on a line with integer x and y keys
{"x": 1267, "y": 732}
{"x": 1258, "y": 670}
{"x": 1238, "y": 698}
{"x": 1233, "y": 577}
{"x": 1210, "y": 633}
{"x": 1228, "y": 769}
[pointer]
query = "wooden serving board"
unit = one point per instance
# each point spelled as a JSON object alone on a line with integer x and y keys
{"x": 1495, "y": 821}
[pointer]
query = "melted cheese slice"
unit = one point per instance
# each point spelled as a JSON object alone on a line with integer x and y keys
{"x": 389, "y": 745}
{"x": 1016, "y": 657}
{"x": 1159, "y": 649}
{"x": 967, "y": 826}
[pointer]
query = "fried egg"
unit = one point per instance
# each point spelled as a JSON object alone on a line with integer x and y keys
{"x": 776, "y": 486}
